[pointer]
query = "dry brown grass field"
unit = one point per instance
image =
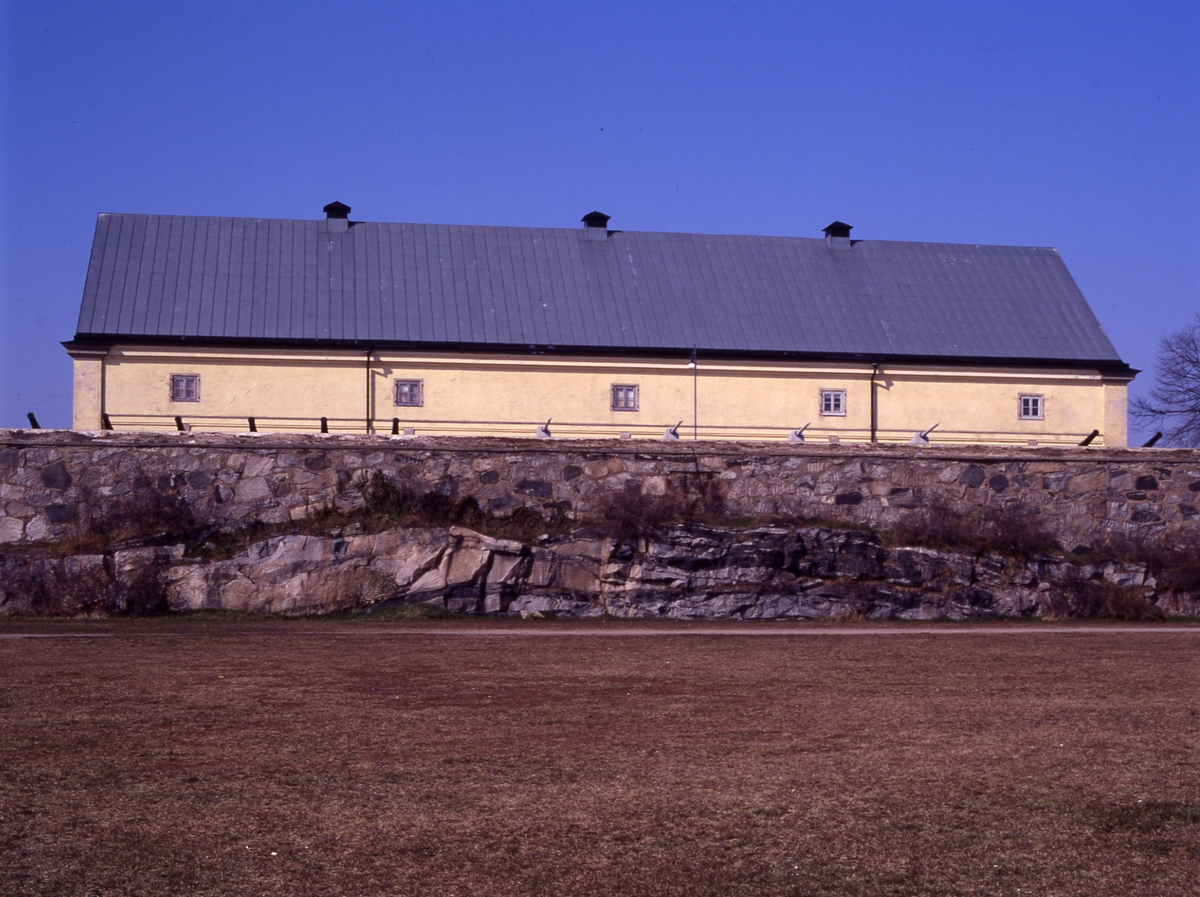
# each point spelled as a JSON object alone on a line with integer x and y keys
{"x": 363, "y": 758}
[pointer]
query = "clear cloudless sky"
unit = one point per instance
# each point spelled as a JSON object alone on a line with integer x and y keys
{"x": 1067, "y": 124}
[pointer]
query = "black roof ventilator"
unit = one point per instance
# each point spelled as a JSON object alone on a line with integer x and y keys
{"x": 595, "y": 219}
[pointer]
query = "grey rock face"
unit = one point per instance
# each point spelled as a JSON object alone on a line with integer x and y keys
{"x": 683, "y": 572}
{"x": 456, "y": 568}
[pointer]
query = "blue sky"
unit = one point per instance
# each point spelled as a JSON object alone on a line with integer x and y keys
{"x": 1073, "y": 125}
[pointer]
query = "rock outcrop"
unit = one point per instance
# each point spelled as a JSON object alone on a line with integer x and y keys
{"x": 687, "y": 571}
{"x": 458, "y": 569}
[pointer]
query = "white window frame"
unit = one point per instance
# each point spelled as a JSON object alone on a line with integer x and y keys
{"x": 834, "y": 400}
{"x": 180, "y": 391}
{"x": 628, "y": 391}
{"x": 414, "y": 386}
{"x": 1039, "y": 398}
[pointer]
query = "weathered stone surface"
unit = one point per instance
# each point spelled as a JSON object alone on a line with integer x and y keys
{"x": 62, "y": 513}
{"x": 973, "y": 476}
{"x": 904, "y": 497}
{"x": 12, "y": 529}
{"x": 37, "y": 529}
{"x": 1082, "y": 496}
{"x": 536, "y": 488}
{"x": 55, "y": 476}
{"x": 684, "y": 572}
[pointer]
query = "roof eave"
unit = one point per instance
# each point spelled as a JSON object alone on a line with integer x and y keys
{"x": 1107, "y": 366}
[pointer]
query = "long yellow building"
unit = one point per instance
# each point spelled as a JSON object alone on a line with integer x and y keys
{"x": 303, "y": 326}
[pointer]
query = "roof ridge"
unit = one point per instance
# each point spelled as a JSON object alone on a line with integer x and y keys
{"x": 573, "y": 230}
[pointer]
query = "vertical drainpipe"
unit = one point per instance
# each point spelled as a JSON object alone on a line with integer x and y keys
{"x": 874, "y": 405}
{"x": 694, "y": 364}
{"x": 368, "y": 398}
{"x": 103, "y": 388}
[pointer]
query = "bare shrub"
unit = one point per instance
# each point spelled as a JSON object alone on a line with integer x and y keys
{"x": 389, "y": 504}
{"x": 382, "y": 497}
{"x": 524, "y": 524}
{"x": 630, "y": 514}
{"x": 706, "y": 495}
{"x": 365, "y": 587}
{"x": 1076, "y": 597}
{"x": 55, "y": 586}
{"x": 1007, "y": 529}
{"x": 937, "y": 525}
{"x": 1175, "y": 565}
{"x": 394, "y": 611}
{"x": 142, "y": 516}
{"x": 1128, "y": 604}
{"x": 853, "y": 600}
{"x": 792, "y": 511}
{"x": 624, "y": 514}
{"x": 1017, "y": 530}
{"x": 400, "y": 503}
{"x": 468, "y": 513}
{"x": 143, "y": 593}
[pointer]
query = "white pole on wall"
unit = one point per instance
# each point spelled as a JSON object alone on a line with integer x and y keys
{"x": 695, "y": 395}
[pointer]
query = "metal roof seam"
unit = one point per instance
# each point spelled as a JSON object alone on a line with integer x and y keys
{"x": 274, "y": 279}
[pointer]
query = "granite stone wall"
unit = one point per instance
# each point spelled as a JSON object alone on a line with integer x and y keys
{"x": 55, "y": 484}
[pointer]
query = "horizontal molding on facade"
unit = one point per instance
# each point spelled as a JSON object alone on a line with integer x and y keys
{"x": 358, "y": 359}
{"x": 685, "y": 450}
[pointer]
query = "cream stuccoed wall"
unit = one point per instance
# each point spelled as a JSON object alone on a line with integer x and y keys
{"x": 984, "y": 405}
{"x": 1116, "y": 411}
{"x": 509, "y": 395}
{"x": 88, "y": 389}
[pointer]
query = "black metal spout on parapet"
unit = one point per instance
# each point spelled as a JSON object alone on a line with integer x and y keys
{"x": 395, "y": 426}
{"x": 1087, "y": 440}
{"x": 324, "y": 425}
{"x": 1149, "y": 443}
{"x": 33, "y": 421}
{"x": 179, "y": 423}
{"x": 105, "y": 421}
{"x": 253, "y": 425}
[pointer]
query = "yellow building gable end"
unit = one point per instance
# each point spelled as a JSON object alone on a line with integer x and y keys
{"x": 510, "y": 395}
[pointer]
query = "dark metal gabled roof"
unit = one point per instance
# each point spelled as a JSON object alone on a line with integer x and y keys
{"x": 238, "y": 279}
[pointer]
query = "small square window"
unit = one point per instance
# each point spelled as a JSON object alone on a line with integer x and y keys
{"x": 185, "y": 387}
{"x": 624, "y": 398}
{"x": 833, "y": 402}
{"x": 1033, "y": 407}
{"x": 410, "y": 392}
